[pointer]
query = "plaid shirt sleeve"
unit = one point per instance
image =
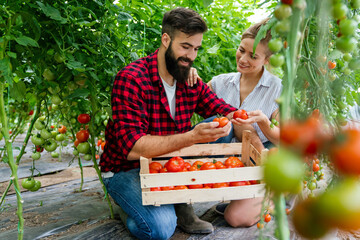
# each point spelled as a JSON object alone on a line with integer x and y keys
{"x": 129, "y": 121}
{"x": 209, "y": 104}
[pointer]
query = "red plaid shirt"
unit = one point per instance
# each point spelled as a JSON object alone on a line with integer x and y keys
{"x": 140, "y": 107}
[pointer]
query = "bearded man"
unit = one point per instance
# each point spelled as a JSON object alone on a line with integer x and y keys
{"x": 151, "y": 110}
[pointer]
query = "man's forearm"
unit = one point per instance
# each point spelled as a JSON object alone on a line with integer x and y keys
{"x": 152, "y": 146}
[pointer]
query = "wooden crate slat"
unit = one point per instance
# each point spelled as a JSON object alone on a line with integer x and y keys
{"x": 198, "y": 177}
{"x": 203, "y": 195}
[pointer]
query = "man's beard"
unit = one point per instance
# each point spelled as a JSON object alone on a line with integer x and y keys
{"x": 180, "y": 73}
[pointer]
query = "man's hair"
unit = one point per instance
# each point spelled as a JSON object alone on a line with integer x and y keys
{"x": 253, "y": 30}
{"x": 183, "y": 19}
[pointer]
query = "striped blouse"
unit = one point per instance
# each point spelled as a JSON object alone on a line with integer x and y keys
{"x": 268, "y": 89}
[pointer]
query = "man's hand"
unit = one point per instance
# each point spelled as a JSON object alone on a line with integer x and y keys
{"x": 209, "y": 132}
{"x": 193, "y": 77}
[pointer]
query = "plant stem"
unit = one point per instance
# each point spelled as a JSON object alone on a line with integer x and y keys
{"x": 5, "y": 193}
{"x": 13, "y": 166}
{"x": 96, "y": 166}
{"x": 281, "y": 218}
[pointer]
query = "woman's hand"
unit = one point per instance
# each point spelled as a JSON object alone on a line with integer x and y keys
{"x": 253, "y": 117}
{"x": 193, "y": 77}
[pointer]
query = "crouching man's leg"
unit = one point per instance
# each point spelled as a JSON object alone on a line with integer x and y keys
{"x": 144, "y": 222}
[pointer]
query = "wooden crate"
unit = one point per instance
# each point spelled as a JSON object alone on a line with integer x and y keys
{"x": 205, "y": 153}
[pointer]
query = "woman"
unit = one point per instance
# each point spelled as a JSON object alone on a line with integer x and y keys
{"x": 255, "y": 90}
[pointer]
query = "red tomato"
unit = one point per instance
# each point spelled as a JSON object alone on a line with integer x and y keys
{"x": 195, "y": 186}
{"x": 153, "y": 171}
{"x": 31, "y": 112}
{"x": 155, "y": 166}
{"x": 83, "y": 118}
{"x": 62, "y": 129}
{"x": 99, "y": 142}
{"x": 233, "y": 162}
{"x": 163, "y": 170}
{"x": 252, "y": 182}
{"x": 241, "y": 113}
{"x": 97, "y": 156}
{"x": 344, "y": 152}
{"x": 103, "y": 145}
{"x": 331, "y": 65}
{"x": 220, "y": 185}
{"x": 239, "y": 183}
{"x": 167, "y": 188}
{"x": 207, "y": 166}
{"x": 155, "y": 189}
{"x": 260, "y": 225}
{"x": 208, "y": 185}
{"x": 175, "y": 164}
{"x": 193, "y": 168}
{"x": 289, "y": 2}
{"x": 219, "y": 165}
{"x": 180, "y": 187}
{"x": 76, "y": 142}
{"x": 315, "y": 167}
{"x": 187, "y": 165}
{"x": 198, "y": 164}
{"x": 82, "y": 135}
{"x": 267, "y": 218}
{"x": 222, "y": 121}
{"x": 39, "y": 149}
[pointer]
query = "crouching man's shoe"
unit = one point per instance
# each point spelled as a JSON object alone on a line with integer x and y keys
{"x": 189, "y": 222}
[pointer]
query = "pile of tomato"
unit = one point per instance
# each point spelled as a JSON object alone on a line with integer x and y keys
{"x": 177, "y": 164}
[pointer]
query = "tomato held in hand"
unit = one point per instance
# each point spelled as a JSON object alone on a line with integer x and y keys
{"x": 222, "y": 121}
{"x": 84, "y": 118}
{"x": 175, "y": 164}
{"x": 241, "y": 113}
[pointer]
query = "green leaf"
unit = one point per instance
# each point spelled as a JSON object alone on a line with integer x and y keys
{"x": 11, "y": 54}
{"x": 51, "y": 12}
{"x": 207, "y": 3}
{"x": 26, "y": 41}
{"x": 262, "y": 32}
{"x": 75, "y": 65}
{"x": 18, "y": 91}
{"x": 80, "y": 92}
{"x": 109, "y": 112}
{"x": 214, "y": 49}
{"x": 123, "y": 16}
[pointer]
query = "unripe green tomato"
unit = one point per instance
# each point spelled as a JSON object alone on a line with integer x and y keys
{"x": 50, "y": 145}
{"x": 39, "y": 125}
{"x": 275, "y": 45}
{"x": 83, "y": 147}
{"x": 355, "y": 4}
{"x": 277, "y": 60}
{"x": 48, "y": 75}
{"x": 64, "y": 143}
{"x": 54, "y": 107}
{"x": 347, "y": 27}
{"x": 53, "y": 134}
{"x": 284, "y": 171}
{"x": 72, "y": 86}
{"x": 312, "y": 186}
{"x": 282, "y": 27}
{"x": 55, "y": 154}
{"x": 59, "y": 58}
{"x": 73, "y": 121}
{"x": 283, "y": 11}
{"x": 354, "y": 64}
{"x": 41, "y": 118}
{"x": 28, "y": 183}
{"x": 54, "y": 90}
{"x": 76, "y": 152}
{"x": 36, "y": 156}
{"x": 55, "y": 99}
{"x": 36, "y": 186}
{"x": 45, "y": 134}
{"x": 105, "y": 122}
{"x": 87, "y": 157}
{"x": 347, "y": 57}
{"x": 346, "y": 44}
{"x": 37, "y": 140}
{"x": 60, "y": 137}
{"x": 347, "y": 71}
{"x": 339, "y": 11}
